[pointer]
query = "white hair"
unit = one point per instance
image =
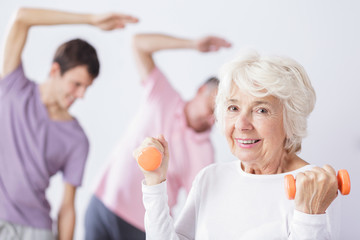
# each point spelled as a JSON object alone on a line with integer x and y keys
{"x": 280, "y": 77}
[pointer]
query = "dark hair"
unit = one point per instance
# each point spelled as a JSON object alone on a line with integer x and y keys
{"x": 75, "y": 53}
{"x": 212, "y": 82}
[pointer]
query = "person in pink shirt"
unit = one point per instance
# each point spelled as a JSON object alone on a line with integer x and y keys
{"x": 116, "y": 210}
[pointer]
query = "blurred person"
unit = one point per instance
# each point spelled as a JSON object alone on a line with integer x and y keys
{"x": 116, "y": 210}
{"x": 39, "y": 137}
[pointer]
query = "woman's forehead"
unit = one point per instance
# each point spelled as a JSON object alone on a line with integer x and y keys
{"x": 240, "y": 95}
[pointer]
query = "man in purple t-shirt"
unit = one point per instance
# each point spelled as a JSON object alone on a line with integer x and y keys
{"x": 38, "y": 136}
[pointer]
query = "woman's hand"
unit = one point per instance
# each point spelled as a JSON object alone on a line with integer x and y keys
{"x": 111, "y": 21}
{"x": 158, "y": 175}
{"x": 316, "y": 189}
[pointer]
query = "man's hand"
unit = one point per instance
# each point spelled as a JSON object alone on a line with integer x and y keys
{"x": 111, "y": 21}
{"x": 211, "y": 44}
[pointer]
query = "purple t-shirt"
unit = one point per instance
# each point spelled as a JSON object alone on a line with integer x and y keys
{"x": 32, "y": 149}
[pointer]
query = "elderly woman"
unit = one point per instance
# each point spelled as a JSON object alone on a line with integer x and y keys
{"x": 262, "y": 106}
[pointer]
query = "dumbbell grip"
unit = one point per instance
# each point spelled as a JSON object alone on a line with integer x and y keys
{"x": 150, "y": 158}
{"x": 343, "y": 184}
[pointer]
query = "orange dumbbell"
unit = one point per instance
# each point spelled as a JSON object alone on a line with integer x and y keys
{"x": 343, "y": 184}
{"x": 150, "y": 158}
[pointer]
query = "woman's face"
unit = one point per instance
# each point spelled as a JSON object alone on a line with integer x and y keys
{"x": 254, "y": 127}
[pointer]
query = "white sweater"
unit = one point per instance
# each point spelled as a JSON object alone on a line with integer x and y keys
{"x": 227, "y": 203}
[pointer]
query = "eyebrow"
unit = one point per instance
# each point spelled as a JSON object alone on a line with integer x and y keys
{"x": 254, "y": 103}
{"x": 262, "y": 103}
{"x": 231, "y": 101}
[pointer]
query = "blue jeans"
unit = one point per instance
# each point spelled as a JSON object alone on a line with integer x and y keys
{"x": 101, "y": 223}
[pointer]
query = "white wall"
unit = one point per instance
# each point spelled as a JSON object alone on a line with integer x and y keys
{"x": 322, "y": 35}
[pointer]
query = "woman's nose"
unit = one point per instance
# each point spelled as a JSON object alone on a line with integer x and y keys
{"x": 243, "y": 122}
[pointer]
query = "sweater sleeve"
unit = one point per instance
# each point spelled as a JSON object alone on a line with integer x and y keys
{"x": 159, "y": 225}
{"x": 319, "y": 227}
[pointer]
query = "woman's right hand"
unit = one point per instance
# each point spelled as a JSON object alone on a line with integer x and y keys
{"x": 158, "y": 175}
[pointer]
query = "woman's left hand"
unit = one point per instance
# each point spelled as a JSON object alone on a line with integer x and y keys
{"x": 315, "y": 190}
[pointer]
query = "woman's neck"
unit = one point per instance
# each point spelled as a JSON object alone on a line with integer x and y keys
{"x": 285, "y": 163}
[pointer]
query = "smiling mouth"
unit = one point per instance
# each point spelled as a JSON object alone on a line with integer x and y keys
{"x": 248, "y": 141}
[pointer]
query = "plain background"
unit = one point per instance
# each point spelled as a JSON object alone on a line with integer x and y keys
{"x": 322, "y": 35}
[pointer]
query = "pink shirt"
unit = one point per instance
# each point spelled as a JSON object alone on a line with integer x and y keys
{"x": 161, "y": 112}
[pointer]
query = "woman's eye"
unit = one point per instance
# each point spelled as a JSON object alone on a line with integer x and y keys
{"x": 262, "y": 110}
{"x": 232, "y": 108}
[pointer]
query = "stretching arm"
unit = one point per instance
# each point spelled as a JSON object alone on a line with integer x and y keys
{"x": 145, "y": 45}
{"x": 25, "y": 18}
